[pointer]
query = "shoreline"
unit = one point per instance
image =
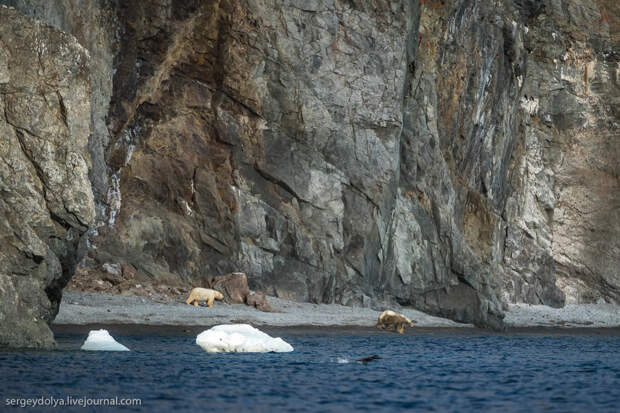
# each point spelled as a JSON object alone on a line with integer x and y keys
{"x": 79, "y": 308}
{"x": 99, "y": 309}
{"x": 192, "y": 331}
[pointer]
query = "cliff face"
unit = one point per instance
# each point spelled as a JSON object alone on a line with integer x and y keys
{"x": 566, "y": 208}
{"x": 47, "y": 203}
{"x": 300, "y": 144}
{"x": 449, "y": 155}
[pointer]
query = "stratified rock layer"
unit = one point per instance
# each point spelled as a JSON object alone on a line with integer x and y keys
{"x": 47, "y": 203}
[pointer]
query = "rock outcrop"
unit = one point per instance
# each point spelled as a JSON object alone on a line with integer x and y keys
{"x": 47, "y": 203}
{"x": 234, "y": 286}
{"x": 563, "y": 234}
{"x": 444, "y": 154}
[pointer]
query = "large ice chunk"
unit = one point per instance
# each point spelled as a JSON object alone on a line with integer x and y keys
{"x": 101, "y": 340}
{"x": 240, "y": 338}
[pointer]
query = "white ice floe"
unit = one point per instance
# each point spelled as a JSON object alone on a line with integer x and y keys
{"x": 101, "y": 340}
{"x": 240, "y": 338}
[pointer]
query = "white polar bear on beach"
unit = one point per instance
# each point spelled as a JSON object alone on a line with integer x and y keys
{"x": 203, "y": 294}
{"x": 389, "y": 319}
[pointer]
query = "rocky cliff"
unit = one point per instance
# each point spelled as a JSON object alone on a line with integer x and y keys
{"x": 447, "y": 155}
{"x": 47, "y": 204}
{"x": 565, "y": 209}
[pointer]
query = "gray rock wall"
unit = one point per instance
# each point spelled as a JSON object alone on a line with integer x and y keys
{"x": 94, "y": 25}
{"x": 564, "y": 215}
{"x": 448, "y": 155}
{"x": 47, "y": 202}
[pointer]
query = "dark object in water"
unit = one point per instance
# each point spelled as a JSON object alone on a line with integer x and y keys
{"x": 369, "y": 359}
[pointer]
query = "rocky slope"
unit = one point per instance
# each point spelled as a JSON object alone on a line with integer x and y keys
{"x": 448, "y": 155}
{"x": 47, "y": 204}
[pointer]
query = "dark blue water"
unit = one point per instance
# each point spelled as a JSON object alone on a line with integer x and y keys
{"x": 427, "y": 371}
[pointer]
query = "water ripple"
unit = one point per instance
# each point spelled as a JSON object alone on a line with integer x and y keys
{"x": 417, "y": 372}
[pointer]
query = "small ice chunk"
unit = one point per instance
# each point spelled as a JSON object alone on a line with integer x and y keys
{"x": 240, "y": 338}
{"x": 101, "y": 340}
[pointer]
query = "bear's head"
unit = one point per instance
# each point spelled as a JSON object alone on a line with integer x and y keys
{"x": 218, "y": 295}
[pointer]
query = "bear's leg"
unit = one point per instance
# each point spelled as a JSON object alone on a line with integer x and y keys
{"x": 195, "y": 303}
{"x": 210, "y": 302}
{"x": 400, "y": 328}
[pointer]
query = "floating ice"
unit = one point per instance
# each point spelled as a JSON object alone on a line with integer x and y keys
{"x": 240, "y": 338}
{"x": 101, "y": 340}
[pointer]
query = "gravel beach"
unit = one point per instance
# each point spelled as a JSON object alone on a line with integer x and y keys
{"x": 571, "y": 315}
{"x": 82, "y": 308}
{"x": 79, "y": 308}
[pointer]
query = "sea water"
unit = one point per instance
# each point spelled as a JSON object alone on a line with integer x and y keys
{"x": 424, "y": 370}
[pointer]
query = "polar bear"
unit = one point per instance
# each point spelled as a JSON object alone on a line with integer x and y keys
{"x": 203, "y": 294}
{"x": 389, "y": 318}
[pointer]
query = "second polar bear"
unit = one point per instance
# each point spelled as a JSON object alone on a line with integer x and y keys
{"x": 389, "y": 318}
{"x": 203, "y": 294}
